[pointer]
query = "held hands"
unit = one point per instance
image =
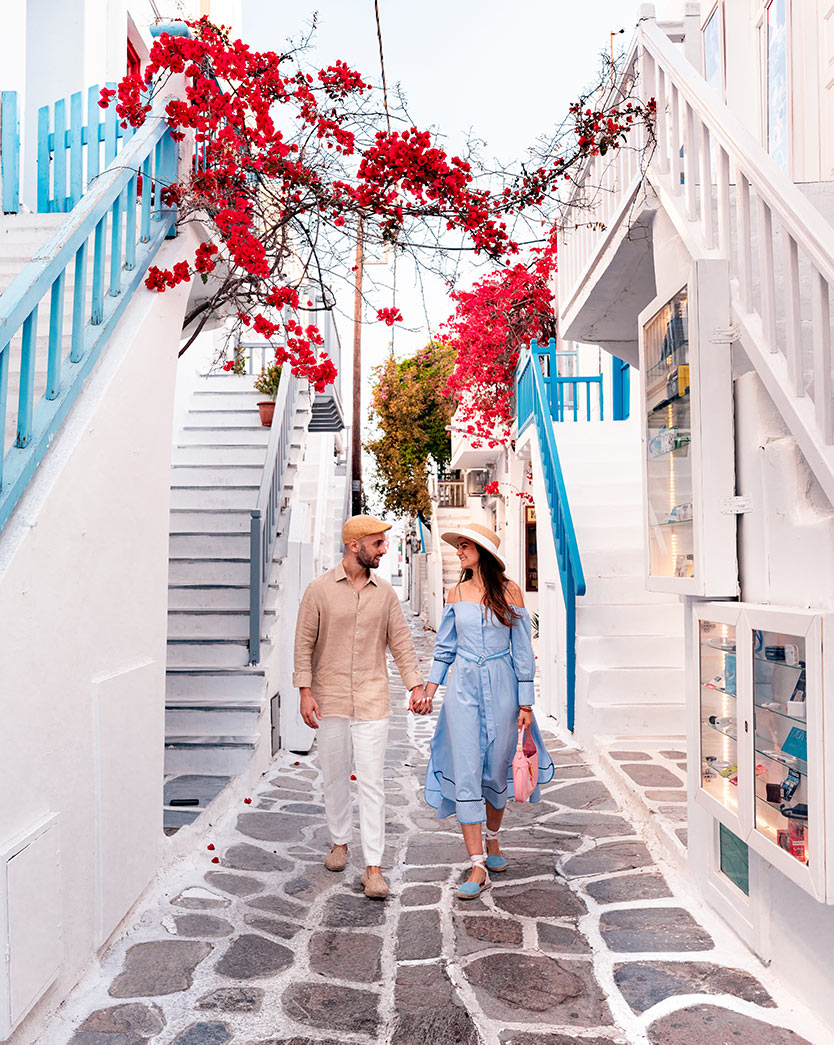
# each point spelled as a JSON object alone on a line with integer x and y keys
{"x": 420, "y": 700}
{"x": 525, "y": 717}
{"x": 309, "y": 709}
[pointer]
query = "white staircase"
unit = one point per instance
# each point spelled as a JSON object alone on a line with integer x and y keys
{"x": 450, "y": 519}
{"x": 629, "y": 642}
{"x": 215, "y": 700}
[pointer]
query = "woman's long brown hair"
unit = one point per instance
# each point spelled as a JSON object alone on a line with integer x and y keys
{"x": 495, "y": 588}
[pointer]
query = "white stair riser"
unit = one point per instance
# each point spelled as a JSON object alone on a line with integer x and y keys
{"x": 622, "y": 590}
{"x": 631, "y": 720}
{"x": 194, "y": 572}
{"x": 606, "y": 496}
{"x": 209, "y": 546}
{"x": 206, "y": 475}
{"x": 214, "y": 688}
{"x": 211, "y": 456}
{"x": 612, "y": 563}
{"x": 634, "y": 619}
{"x": 646, "y": 685}
{"x": 586, "y": 514}
{"x": 208, "y": 760}
{"x": 231, "y": 400}
{"x": 214, "y": 498}
{"x": 207, "y": 655}
{"x": 225, "y": 419}
{"x": 218, "y": 599}
{"x": 612, "y": 537}
{"x": 199, "y": 436}
{"x": 210, "y": 522}
{"x": 605, "y": 472}
{"x": 629, "y": 651}
{"x": 207, "y": 722}
{"x": 212, "y": 625}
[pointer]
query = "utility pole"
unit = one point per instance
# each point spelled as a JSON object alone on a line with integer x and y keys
{"x": 356, "y": 434}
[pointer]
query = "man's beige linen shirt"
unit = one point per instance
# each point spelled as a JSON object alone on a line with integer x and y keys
{"x": 340, "y": 642}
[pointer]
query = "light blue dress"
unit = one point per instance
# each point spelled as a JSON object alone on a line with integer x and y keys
{"x": 492, "y": 670}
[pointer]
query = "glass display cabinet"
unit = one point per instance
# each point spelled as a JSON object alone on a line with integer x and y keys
{"x": 689, "y": 476}
{"x": 759, "y": 724}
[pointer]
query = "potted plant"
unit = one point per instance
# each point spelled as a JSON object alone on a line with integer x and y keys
{"x": 267, "y": 384}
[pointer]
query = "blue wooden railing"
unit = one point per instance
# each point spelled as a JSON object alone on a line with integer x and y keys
{"x": 564, "y": 393}
{"x": 70, "y": 151}
{"x": 10, "y": 152}
{"x": 119, "y": 216}
{"x": 533, "y": 406}
{"x": 263, "y": 526}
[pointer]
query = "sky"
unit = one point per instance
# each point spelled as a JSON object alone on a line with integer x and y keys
{"x": 503, "y": 71}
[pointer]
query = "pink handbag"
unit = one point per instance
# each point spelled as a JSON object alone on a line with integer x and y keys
{"x": 525, "y": 768}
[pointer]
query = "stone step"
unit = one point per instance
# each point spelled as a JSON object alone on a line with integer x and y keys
{"x": 207, "y": 624}
{"x": 208, "y": 571}
{"x": 210, "y": 653}
{"x": 636, "y": 618}
{"x": 226, "y": 399}
{"x": 216, "y": 598}
{"x": 210, "y": 756}
{"x": 215, "y": 687}
{"x": 210, "y": 455}
{"x": 629, "y": 651}
{"x": 214, "y": 497}
{"x": 212, "y": 721}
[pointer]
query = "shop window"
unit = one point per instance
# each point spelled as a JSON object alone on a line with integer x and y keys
{"x": 531, "y": 553}
{"x": 733, "y": 859}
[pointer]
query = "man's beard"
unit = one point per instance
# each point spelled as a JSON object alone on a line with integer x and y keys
{"x": 366, "y": 559}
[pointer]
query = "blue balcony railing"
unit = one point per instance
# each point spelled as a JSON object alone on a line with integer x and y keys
{"x": 535, "y": 407}
{"x": 88, "y": 272}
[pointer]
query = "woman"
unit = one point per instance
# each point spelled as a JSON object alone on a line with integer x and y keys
{"x": 485, "y": 636}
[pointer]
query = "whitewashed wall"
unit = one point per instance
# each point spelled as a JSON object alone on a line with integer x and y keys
{"x": 83, "y": 602}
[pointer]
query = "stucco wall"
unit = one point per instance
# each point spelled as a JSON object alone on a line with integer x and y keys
{"x": 83, "y": 602}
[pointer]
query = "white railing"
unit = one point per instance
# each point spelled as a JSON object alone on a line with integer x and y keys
{"x": 778, "y": 244}
{"x": 707, "y": 167}
{"x": 605, "y": 188}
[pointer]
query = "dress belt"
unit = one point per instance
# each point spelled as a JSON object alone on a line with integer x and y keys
{"x": 482, "y": 658}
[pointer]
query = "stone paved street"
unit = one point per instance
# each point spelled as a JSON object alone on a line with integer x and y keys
{"x": 582, "y": 940}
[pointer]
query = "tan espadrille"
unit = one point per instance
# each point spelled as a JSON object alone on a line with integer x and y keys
{"x": 375, "y": 885}
{"x": 336, "y": 859}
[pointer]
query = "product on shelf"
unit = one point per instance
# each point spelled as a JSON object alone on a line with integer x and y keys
{"x": 795, "y": 743}
{"x": 787, "y": 654}
{"x": 799, "y": 689}
{"x": 789, "y": 785}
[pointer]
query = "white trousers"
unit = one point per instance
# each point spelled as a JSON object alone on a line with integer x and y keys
{"x": 342, "y": 740}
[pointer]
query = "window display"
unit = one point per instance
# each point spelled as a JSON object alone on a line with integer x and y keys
{"x": 668, "y": 436}
{"x": 781, "y": 740}
{"x": 719, "y": 713}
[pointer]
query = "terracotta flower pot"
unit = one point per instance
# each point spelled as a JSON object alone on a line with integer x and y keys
{"x": 267, "y": 409}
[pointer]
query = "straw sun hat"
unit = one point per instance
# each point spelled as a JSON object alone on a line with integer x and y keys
{"x": 480, "y": 535}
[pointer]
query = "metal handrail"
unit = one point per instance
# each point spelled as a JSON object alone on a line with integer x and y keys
{"x": 263, "y": 525}
{"x": 138, "y": 225}
{"x": 533, "y": 408}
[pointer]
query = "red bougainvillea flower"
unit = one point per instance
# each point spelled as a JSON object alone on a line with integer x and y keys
{"x": 210, "y": 845}
{"x": 389, "y": 316}
{"x": 247, "y": 801}
{"x": 352, "y": 776}
{"x": 215, "y": 859}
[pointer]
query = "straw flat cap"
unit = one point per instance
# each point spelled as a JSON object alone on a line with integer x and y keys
{"x": 480, "y": 535}
{"x": 359, "y": 526}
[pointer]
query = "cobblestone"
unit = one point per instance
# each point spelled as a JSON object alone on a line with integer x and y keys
{"x": 269, "y": 948}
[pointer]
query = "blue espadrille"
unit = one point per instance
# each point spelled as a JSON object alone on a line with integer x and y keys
{"x": 496, "y": 864}
{"x": 472, "y": 890}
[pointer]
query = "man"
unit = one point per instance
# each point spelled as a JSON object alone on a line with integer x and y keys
{"x": 346, "y": 620}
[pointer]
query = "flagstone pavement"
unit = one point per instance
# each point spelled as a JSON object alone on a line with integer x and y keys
{"x": 582, "y": 940}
